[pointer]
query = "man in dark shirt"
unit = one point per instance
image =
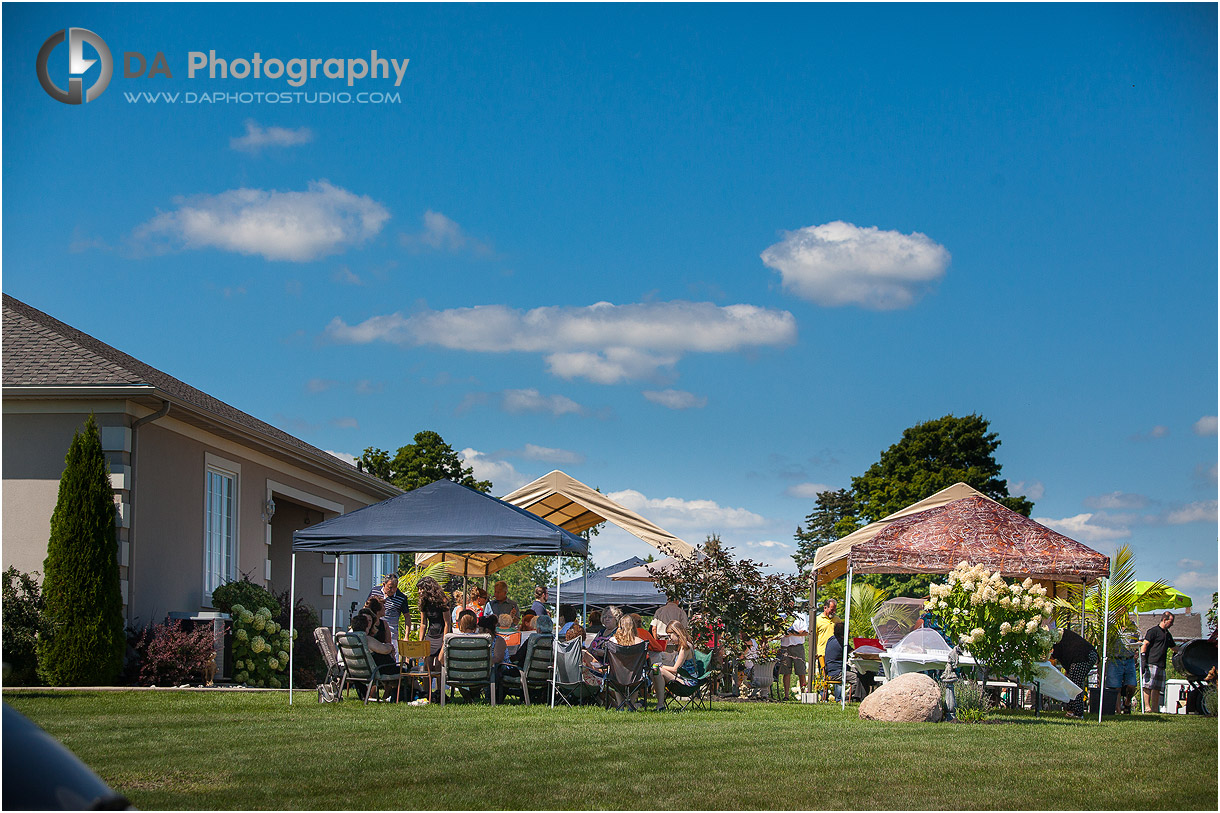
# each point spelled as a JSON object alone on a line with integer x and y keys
{"x": 1077, "y": 656}
{"x": 1157, "y": 641}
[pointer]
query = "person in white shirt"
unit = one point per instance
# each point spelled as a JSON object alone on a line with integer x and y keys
{"x": 792, "y": 652}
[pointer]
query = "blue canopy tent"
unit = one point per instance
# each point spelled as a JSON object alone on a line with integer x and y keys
{"x": 602, "y": 590}
{"x": 444, "y": 516}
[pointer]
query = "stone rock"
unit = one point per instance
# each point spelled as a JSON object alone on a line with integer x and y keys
{"x": 909, "y": 698}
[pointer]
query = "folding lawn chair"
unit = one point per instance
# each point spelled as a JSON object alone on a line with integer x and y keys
{"x": 627, "y": 674}
{"x": 828, "y": 681}
{"x": 698, "y": 696}
{"x": 359, "y": 666}
{"x": 570, "y": 682}
{"x": 417, "y": 651}
{"x": 467, "y": 664}
{"x": 536, "y": 669}
{"x": 329, "y": 688}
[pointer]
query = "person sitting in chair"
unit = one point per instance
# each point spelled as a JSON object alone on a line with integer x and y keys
{"x": 375, "y": 631}
{"x": 684, "y": 669}
{"x": 834, "y": 662}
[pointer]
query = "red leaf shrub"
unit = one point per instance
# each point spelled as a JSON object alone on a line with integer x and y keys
{"x": 172, "y": 655}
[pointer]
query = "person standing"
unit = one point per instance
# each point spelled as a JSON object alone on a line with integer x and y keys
{"x": 500, "y": 602}
{"x": 1120, "y": 669}
{"x": 539, "y": 606}
{"x": 434, "y": 608}
{"x": 1077, "y": 656}
{"x": 1157, "y": 641}
{"x": 395, "y": 605}
{"x": 792, "y": 651}
{"x": 825, "y": 626}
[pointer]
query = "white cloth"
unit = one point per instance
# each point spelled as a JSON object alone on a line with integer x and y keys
{"x": 1052, "y": 683}
{"x": 800, "y": 624}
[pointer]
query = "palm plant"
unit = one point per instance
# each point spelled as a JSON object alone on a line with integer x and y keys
{"x": 1124, "y": 595}
{"x": 866, "y": 601}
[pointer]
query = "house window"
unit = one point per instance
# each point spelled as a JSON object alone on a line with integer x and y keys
{"x": 383, "y": 565}
{"x": 220, "y": 531}
{"x": 353, "y": 569}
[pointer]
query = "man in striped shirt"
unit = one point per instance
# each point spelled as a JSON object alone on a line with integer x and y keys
{"x": 395, "y": 605}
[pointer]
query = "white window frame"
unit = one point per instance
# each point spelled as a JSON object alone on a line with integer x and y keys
{"x": 353, "y": 570}
{"x": 226, "y": 570}
{"x": 384, "y": 563}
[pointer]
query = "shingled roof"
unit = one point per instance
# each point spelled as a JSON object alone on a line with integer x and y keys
{"x": 41, "y": 351}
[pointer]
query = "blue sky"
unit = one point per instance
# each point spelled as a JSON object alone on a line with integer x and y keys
{"x": 706, "y": 258}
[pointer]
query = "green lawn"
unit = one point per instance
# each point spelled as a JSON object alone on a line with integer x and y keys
{"x": 171, "y": 750}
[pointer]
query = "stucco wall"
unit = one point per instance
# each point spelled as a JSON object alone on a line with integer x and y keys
{"x": 34, "y": 448}
{"x": 165, "y": 572}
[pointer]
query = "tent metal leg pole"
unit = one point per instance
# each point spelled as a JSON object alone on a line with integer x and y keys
{"x": 334, "y": 602}
{"x": 1105, "y": 639}
{"x": 846, "y": 629}
{"x": 811, "y": 660}
{"x": 555, "y": 647}
{"x": 584, "y": 611}
{"x": 292, "y": 622}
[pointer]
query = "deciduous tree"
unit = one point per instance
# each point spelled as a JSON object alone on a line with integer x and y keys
{"x": 417, "y": 464}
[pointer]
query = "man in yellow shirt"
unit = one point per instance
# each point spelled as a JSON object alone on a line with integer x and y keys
{"x": 826, "y": 626}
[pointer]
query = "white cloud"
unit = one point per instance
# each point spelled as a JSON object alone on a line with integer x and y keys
{"x": 346, "y": 422}
{"x": 366, "y": 387}
{"x": 1206, "y": 473}
{"x": 603, "y": 342}
{"x": 768, "y": 543}
{"x": 676, "y": 399}
{"x": 257, "y": 137}
{"x": 807, "y": 491}
{"x": 293, "y": 226}
{"x": 345, "y": 276}
{"x": 1206, "y": 426}
{"x": 842, "y": 264}
{"x": 504, "y": 477}
{"x": 548, "y": 455}
{"x": 1117, "y": 500}
{"x": 701, "y": 515}
{"x": 530, "y": 400}
{"x": 1194, "y": 579}
{"x": 1204, "y": 511}
{"x": 1033, "y": 489}
{"x": 1154, "y": 433}
{"x": 1189, "y": 564}
{"x": 443, "y": 234}
{"x": 344, "y": 456}
{"x": 316, "y": 385}
{"x": 1083, "y": 529}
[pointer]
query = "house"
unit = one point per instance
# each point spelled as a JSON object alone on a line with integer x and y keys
{"x": 206, "y": 493}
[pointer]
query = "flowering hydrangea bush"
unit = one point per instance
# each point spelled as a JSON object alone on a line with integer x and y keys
{"x": 260, "y": 648}
{"x": 999, "y": 623}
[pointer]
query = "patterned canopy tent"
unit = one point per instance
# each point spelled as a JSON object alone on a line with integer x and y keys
{"x": 980, "y": 531}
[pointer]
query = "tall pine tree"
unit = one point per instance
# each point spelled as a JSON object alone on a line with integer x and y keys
{"x": 83, "y": 606}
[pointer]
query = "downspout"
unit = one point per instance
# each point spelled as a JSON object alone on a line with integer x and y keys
{"x": 131, "y": 528}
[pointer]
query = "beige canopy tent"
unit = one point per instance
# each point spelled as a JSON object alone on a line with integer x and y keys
{"x": 565, "y": 501}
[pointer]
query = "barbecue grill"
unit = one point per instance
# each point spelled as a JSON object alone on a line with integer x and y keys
{"x": 1195, "y": 659}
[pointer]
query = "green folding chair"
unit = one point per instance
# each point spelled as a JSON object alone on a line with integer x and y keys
{"x": 467, "y": 665}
